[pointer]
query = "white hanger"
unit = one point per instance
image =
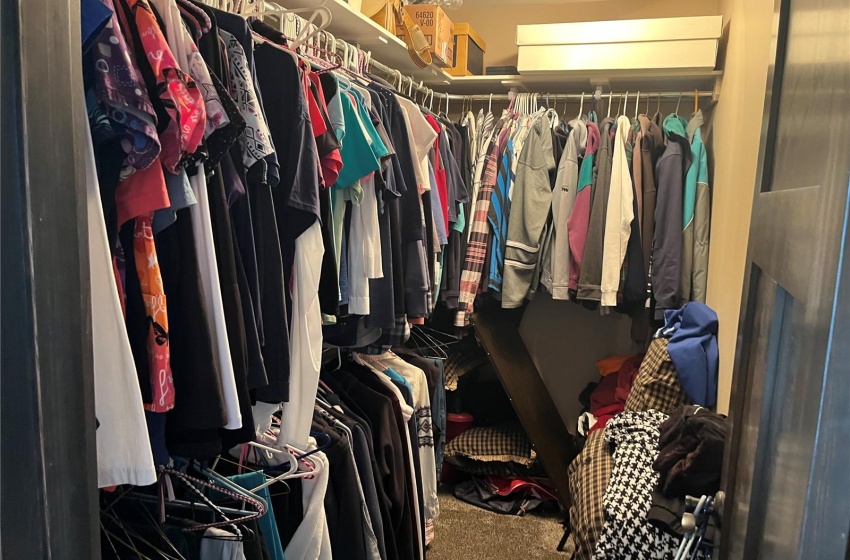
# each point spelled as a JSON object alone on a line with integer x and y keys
{"x": 581, "y": 106}
{"x": 490, "y": 106}
{"x": 625, "y": 104}
{"x": 290, "y": 474}
{"x": 637, "y": 99}
{"x": 610, "y": 93}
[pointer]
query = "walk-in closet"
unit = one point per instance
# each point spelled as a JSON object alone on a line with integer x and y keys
{"x": 409, "y": 280}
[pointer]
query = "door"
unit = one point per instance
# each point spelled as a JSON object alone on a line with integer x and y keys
{"x": 787, "y": 470}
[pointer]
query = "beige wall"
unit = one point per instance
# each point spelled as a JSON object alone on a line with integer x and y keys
{"x": 734, "y": 142}
{"x": 565, "y": 340}
{"x": 497, "y": 23}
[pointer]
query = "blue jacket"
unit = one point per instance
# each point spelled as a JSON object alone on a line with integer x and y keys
{"x": 692, "y": 331}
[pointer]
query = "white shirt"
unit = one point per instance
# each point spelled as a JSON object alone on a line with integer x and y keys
{"x": 305, "y": 342}
{"x": 618, "y": 216}
{"x": 123, "y": 449}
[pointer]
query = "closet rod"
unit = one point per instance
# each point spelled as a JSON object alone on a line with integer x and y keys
{"x": 577, "y": 96}
{"x": 393, "y": 75}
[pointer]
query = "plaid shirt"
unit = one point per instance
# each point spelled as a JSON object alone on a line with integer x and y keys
{"x": 476, "y": 251}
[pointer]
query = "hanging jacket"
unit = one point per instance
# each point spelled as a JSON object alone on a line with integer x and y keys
{"x": 580, "y": 216}
{"x": 618, "y": 217}
{"x": 667, "y": 239}
{"x": 651, "y": 148}
{"x": 532, "y": 199}
{"x": 696, "y": 218}
{"x": 590, "y": 277}
{"x": 556, "y": 273}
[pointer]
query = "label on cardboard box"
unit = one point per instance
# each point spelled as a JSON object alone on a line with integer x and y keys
{"x": 438, "y": 30}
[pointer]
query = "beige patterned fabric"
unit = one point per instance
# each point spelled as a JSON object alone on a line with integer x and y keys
{"x": 655, "y": 388}
{"x": 589, "y": 474}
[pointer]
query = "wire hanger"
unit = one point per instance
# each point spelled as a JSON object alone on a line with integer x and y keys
{"x": 677, "y": 104}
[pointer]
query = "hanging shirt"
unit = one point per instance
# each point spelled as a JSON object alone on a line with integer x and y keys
{"x": 498, "y": 216}
{"x": 255, "y": 140}
{"x": 123, "y": 449}
{"x": 306, "y": 339}
{"x": 618, "y": 217}
{"x": 476, "y": 252}
{"x": 178, "y": 94}
{"x": 121, "y": 90}
{"x": 580, "y": 216}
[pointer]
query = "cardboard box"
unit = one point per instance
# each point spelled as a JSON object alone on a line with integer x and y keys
{"x": 641, "y": 44}
{"x": 438, "y": 29}
{"x": 381, "y": 12}
{"x": 469, "y": 52}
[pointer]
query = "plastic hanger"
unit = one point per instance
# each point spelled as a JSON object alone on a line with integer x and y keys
{"x": 581, "y": 106}
{"x": 637, "y": 101}
{"x": 696, "y": 101}
{"x": 610, "y": 93}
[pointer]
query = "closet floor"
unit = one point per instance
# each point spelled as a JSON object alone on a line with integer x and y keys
{"x": 468, "y": 532}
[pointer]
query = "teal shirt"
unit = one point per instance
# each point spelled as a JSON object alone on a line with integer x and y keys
{"x": 358, "y": 158}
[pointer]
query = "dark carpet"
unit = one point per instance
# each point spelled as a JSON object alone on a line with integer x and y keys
{"x": 466, "y": 532}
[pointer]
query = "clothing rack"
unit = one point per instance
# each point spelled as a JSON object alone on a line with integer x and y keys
{"x": 358, "y": 61}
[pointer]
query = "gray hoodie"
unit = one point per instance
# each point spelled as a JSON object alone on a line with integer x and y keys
{"x": 590, "y": 280}
{"x": 556, "y": 264}
{"x": 530, "y": 204}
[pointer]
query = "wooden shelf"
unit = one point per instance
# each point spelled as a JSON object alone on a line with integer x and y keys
{"x": 356, "y": 28}
{"x": 579, "y": 81}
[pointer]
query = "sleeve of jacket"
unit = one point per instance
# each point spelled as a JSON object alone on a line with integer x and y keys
{"x": 667, "y": 242}
{"x": 702, "y": 226}
{"x": 529, "y": 211}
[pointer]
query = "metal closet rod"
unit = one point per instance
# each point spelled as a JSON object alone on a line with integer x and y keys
{"x": 576, "y": 96}
{"x": 588, "y": 95}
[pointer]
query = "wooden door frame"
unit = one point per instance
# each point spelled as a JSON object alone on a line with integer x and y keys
{"x": 764, "y": 170}
{"x": 48, "y": 471}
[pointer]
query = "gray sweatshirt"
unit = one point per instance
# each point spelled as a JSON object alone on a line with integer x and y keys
{"x": 556, "y": 266}
{"x": 590, "y": 280}
{"x": 530, "y": 204}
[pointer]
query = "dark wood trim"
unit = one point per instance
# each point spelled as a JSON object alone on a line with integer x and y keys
{"x": 48, "y": 469}
{"x": 498, "y": 334}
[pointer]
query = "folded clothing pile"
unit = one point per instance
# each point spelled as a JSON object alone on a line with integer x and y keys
{"x": 689, "y": 463}
{"x": 501, "y": 450}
